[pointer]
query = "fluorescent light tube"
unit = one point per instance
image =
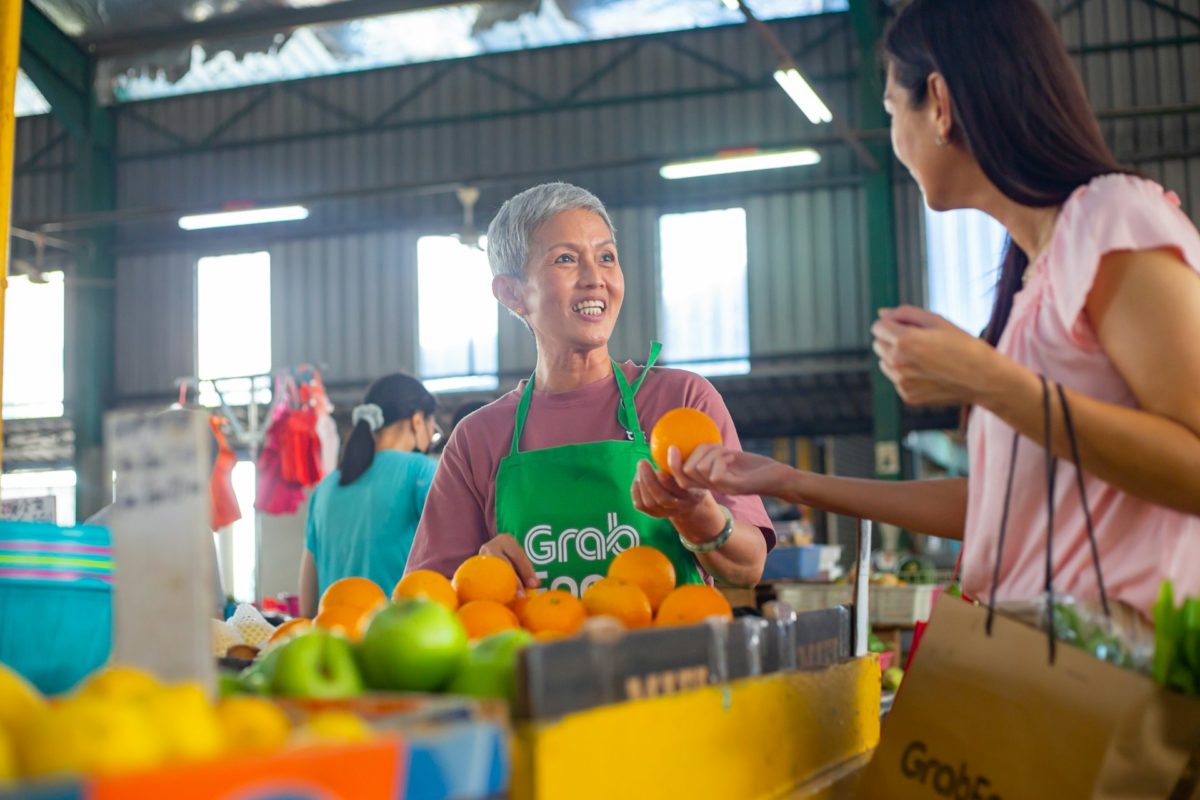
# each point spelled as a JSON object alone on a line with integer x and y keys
{"x": 739, "y": 163}
{"x": 242, "y": 216}
{"x": 803, "y": 95}
{"x": 732, "y": 5}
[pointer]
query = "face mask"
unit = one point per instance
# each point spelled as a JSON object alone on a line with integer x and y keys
{"x": 434, "y": 438}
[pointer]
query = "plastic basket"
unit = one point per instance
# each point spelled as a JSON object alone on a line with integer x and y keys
{"x": 55, "y": 601}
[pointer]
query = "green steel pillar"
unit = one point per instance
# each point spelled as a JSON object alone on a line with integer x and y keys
{"x": 66, "y": 76}
{"x": 867, "y": 17}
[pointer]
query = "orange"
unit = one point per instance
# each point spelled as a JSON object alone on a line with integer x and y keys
{"x": 289, "y": 629}
{"x": 548, "y": 636}
{"x": 693, "y": 603}
{"x": 427, "y": 583}
{"x": 518, "y": 605}
{"x": 625, "y": 601}
{"x": 360, "y": 593}
{"x": 554, "y": 610}
{"x": 685, "y": 428}
{"x": 646, "y": 568}
{"x": 486, "y": 578}
{"x": 485, "y": 617}
{"x": 350, "y": 622}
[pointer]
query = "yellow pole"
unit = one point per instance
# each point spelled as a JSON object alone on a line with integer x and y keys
{"x": 10, "y": 48}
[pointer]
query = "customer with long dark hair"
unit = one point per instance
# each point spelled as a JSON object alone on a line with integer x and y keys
{"x": 1098, "y": 291}
{"x": 362, "y": 517}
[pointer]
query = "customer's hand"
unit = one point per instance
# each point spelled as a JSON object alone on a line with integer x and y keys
{"x": 505, "y": 546}
{"x": 726, "y": 471}
{"x": 931, "y": 361}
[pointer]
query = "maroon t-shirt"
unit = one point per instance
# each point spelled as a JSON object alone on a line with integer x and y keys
{"x": 460, "y": 511}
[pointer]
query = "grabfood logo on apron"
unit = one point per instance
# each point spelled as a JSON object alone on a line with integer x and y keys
{"x": 577, "y": 546}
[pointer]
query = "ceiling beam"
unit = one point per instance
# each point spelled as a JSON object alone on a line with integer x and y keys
{"x": 249, "y": 23}
{"x": 58, "y": 67}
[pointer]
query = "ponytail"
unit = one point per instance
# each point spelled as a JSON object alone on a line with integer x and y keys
{"x": 389, "y": 400}
{"x": 359, "y": 453}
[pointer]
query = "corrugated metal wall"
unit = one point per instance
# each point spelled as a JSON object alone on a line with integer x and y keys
{"x": 317, "y": 285}
{"x": 603, "y": 115}
{"x": 42, "y": 186}
{"x": 1148, "y": 97}
{"x": 156, "y": 331}
{"x": 377, "y": 153}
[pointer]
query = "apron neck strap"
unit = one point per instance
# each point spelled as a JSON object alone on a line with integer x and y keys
{"x": 522, "y": 413}
{"x": 626, "y": 410}
{"x": 629, "y": 421}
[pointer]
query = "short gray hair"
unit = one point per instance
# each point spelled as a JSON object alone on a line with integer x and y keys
{"x": 509, "y": 234}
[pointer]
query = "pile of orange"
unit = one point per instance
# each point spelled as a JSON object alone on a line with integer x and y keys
{"x": 485, "y": 592}
{"x": 347, "y": 606}
{"x": 638, "y": 592}
{"x": 651, "y": 574}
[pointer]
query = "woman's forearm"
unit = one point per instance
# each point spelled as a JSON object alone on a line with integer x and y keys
{"x": 309, "y": 586}
{"x": 1144, "y": 454}
{"x": 935, "y": 507}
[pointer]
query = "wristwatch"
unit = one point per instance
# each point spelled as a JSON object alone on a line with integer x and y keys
{"x": 709, "y": 546}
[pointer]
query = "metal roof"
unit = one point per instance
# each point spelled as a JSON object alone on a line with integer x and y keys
{"x": 161, "y": 48}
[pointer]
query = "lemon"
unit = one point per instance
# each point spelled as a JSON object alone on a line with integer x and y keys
{"x": 252, "y": 725}
{"x": 121, "y": 683}
{"x": 330, "y": 727}
{"x": 20, "y": 702}
{"x": 185, "y": 721}
{"x": 8, "y": 759}
{"x": 88, "y": 735}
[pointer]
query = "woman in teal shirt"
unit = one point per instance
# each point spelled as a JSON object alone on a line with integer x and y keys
{"x": 362, "y": 517}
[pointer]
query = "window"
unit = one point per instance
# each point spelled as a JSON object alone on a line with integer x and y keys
{"x": 60, "y": 484}
{"x": 704, "y": 321}
{"x": 457, "y": 314}
{"x": 33, "y": 346}
{"x": 963, "y": 250}
{"x": 233, "y": 326}
{"x": 245, "y": 487}
{"x": 27, "y": 100}
{"x": 235, "y": 543}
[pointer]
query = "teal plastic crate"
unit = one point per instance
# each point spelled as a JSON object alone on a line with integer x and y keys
{"x": 55, "y": 601}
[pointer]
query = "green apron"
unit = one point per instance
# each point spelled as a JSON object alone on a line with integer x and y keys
{"x": 570, "y": 508}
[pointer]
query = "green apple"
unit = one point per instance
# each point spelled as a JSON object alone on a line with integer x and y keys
{"x": 414, "y": 645}
{"x": 491, "y": 666}
{"x": 256, "y": 678}
{"x": 892, "y": 676}
{"x": 316, "y": 664}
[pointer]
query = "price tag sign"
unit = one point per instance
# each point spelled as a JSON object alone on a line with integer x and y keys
{"x": 30, "y": 509}
{"x": 162, "y": 544}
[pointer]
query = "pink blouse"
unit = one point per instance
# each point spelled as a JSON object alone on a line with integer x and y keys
{"x": 1140, "y": 543}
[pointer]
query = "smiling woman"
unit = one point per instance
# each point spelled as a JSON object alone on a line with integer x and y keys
{"x": 566, "y": 451}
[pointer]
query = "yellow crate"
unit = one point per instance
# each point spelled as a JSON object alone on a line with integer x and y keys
{"x": 759, "y": 737}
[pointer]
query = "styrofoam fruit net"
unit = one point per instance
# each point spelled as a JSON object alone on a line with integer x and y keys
{"x": 251, "y": 626}
{"x": 224, "y": 636}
